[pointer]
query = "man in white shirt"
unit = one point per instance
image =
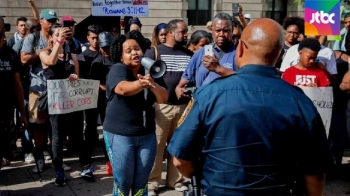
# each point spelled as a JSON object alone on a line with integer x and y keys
{"x": 340, "y": 45}
{"x": 325, "y": 56}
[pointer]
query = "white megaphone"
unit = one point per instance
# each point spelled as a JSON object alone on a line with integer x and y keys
{"x": 155, "y": 68}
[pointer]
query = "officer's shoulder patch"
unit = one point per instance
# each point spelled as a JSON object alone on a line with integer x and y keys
{"x": 186, "y": 112}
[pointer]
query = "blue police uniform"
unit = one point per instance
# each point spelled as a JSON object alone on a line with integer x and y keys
{"x": 252, "y": 131}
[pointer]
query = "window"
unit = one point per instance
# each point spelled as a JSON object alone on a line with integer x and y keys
{"x": 199, "y": 12}
{"x": 276, "y": 9}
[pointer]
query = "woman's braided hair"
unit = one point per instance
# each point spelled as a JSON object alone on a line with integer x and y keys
{"x": 117, "y": 44}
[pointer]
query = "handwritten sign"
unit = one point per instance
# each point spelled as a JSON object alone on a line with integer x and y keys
{"x": 322, "y": 97}
{"x": 66, "y": 96}
{"x": 120, "y": 8}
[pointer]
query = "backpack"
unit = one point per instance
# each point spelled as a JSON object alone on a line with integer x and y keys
{"x": 36, "y": 35}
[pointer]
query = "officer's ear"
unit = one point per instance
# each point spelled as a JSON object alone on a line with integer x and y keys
{"x": 240, "y": 49}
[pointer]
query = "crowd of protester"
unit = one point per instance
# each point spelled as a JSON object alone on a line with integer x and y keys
{"x": 139, "y": 113}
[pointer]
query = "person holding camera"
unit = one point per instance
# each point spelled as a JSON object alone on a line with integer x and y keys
{"x": 60, "y": 64}
{"x": 251, "y": 133}
{"x": 73, "y": 44}
{"x": 129, "y": 126}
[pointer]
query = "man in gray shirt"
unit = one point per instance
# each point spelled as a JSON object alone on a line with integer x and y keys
{"x": 32, "y": 45}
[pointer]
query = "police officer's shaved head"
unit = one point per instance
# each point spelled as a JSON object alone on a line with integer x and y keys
{"x": 261, "y": 43}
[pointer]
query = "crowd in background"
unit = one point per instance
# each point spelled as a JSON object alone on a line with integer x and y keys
{"x": 140, "y": 113}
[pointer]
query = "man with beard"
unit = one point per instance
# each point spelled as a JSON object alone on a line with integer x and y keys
{"x": 176, "y": 58}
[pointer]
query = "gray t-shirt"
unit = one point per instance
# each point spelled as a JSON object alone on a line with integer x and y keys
{"x": 37, "y": 79}
{"x": 18, "y": 46}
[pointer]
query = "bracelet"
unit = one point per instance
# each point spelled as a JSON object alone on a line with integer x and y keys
{"x": 59, "y": 41}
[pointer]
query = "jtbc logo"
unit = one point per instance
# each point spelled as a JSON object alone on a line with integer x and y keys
{"x": 316, "y": 17}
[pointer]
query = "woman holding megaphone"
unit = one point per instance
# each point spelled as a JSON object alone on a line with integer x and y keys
{"x": 129, "y": 126}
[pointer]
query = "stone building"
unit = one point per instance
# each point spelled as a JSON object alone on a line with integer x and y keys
{"x": 196, "y": 12}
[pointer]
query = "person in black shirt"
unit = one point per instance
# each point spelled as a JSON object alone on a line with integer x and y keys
{"x": 91, "y": 52}
{"x": 91, "y": 136}
{"x": 129, "y": 127}
{"x": 12, "y": 96}
{"x": 60, "y": 64}
{"x": 98, "y": 71}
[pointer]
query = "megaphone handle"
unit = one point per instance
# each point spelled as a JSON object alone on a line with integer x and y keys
{"x": 145, "y": 92}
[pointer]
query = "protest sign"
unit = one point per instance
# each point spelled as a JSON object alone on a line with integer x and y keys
{"x": 66, "y": 96}
{"x": 322, "y": 98}
{"x": 120, "y": 8}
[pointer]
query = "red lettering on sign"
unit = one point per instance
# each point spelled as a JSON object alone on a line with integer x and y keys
{"x": 63, "y": 105}
{"x": 84, "y": 101}
{"x": 54, "y": 106}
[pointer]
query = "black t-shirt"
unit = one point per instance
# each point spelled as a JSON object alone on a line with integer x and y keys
{"x": 176, "y": 59}
{"x": 100, "y": 68}
{"x": 124, "y": 114}
{"x": 9, "y": 66}
{"x": 74, "y": 46}
{"x": 85, "y": 66}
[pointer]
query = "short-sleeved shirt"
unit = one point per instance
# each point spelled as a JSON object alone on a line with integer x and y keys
{"x": 38, "y": 81}
{"x": 325, "y": 56}
{"x": 252, "y": 132}
{"x": 100, "y": 68}
{"x": 196, "y": 72}
{"x": 85, "y": 67}
{"x": 176, "y": 59}
{"x": 298, "y": 77}
{"x": 124, "y": 114}
{"x": 9, "y": 66}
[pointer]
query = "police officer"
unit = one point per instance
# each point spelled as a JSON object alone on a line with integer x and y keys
{"x": 252, "y": 131}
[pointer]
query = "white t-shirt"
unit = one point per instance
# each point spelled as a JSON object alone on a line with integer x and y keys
{"x": 325, "y": 56}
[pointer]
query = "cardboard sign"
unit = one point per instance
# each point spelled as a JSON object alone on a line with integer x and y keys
{"x": 66, "y": 96}
{"x": 120, "y": 8}
{"x": 322, "y": 97}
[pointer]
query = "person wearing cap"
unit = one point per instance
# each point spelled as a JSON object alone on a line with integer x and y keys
{"x": 247, "y": 18}
{"x": 32, "y": 45}
{"x": 74, "y": 44}
{"x": 209, "y": 25}
{"x": 135, "y": 24}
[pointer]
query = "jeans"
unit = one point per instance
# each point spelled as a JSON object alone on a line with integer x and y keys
{"x": 132, "y": 159}
{"x": 60, "y": 123}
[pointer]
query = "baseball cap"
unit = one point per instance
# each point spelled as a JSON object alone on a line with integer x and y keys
{"x": 48, "y": 14}
{"x": 67, "y": 18}
{"x": 247, "y": 16}
{"x": 104, "y": 39}
{"x": 209, "y": 23}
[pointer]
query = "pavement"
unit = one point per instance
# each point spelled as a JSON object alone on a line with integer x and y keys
{"x": 18, "y": 179}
